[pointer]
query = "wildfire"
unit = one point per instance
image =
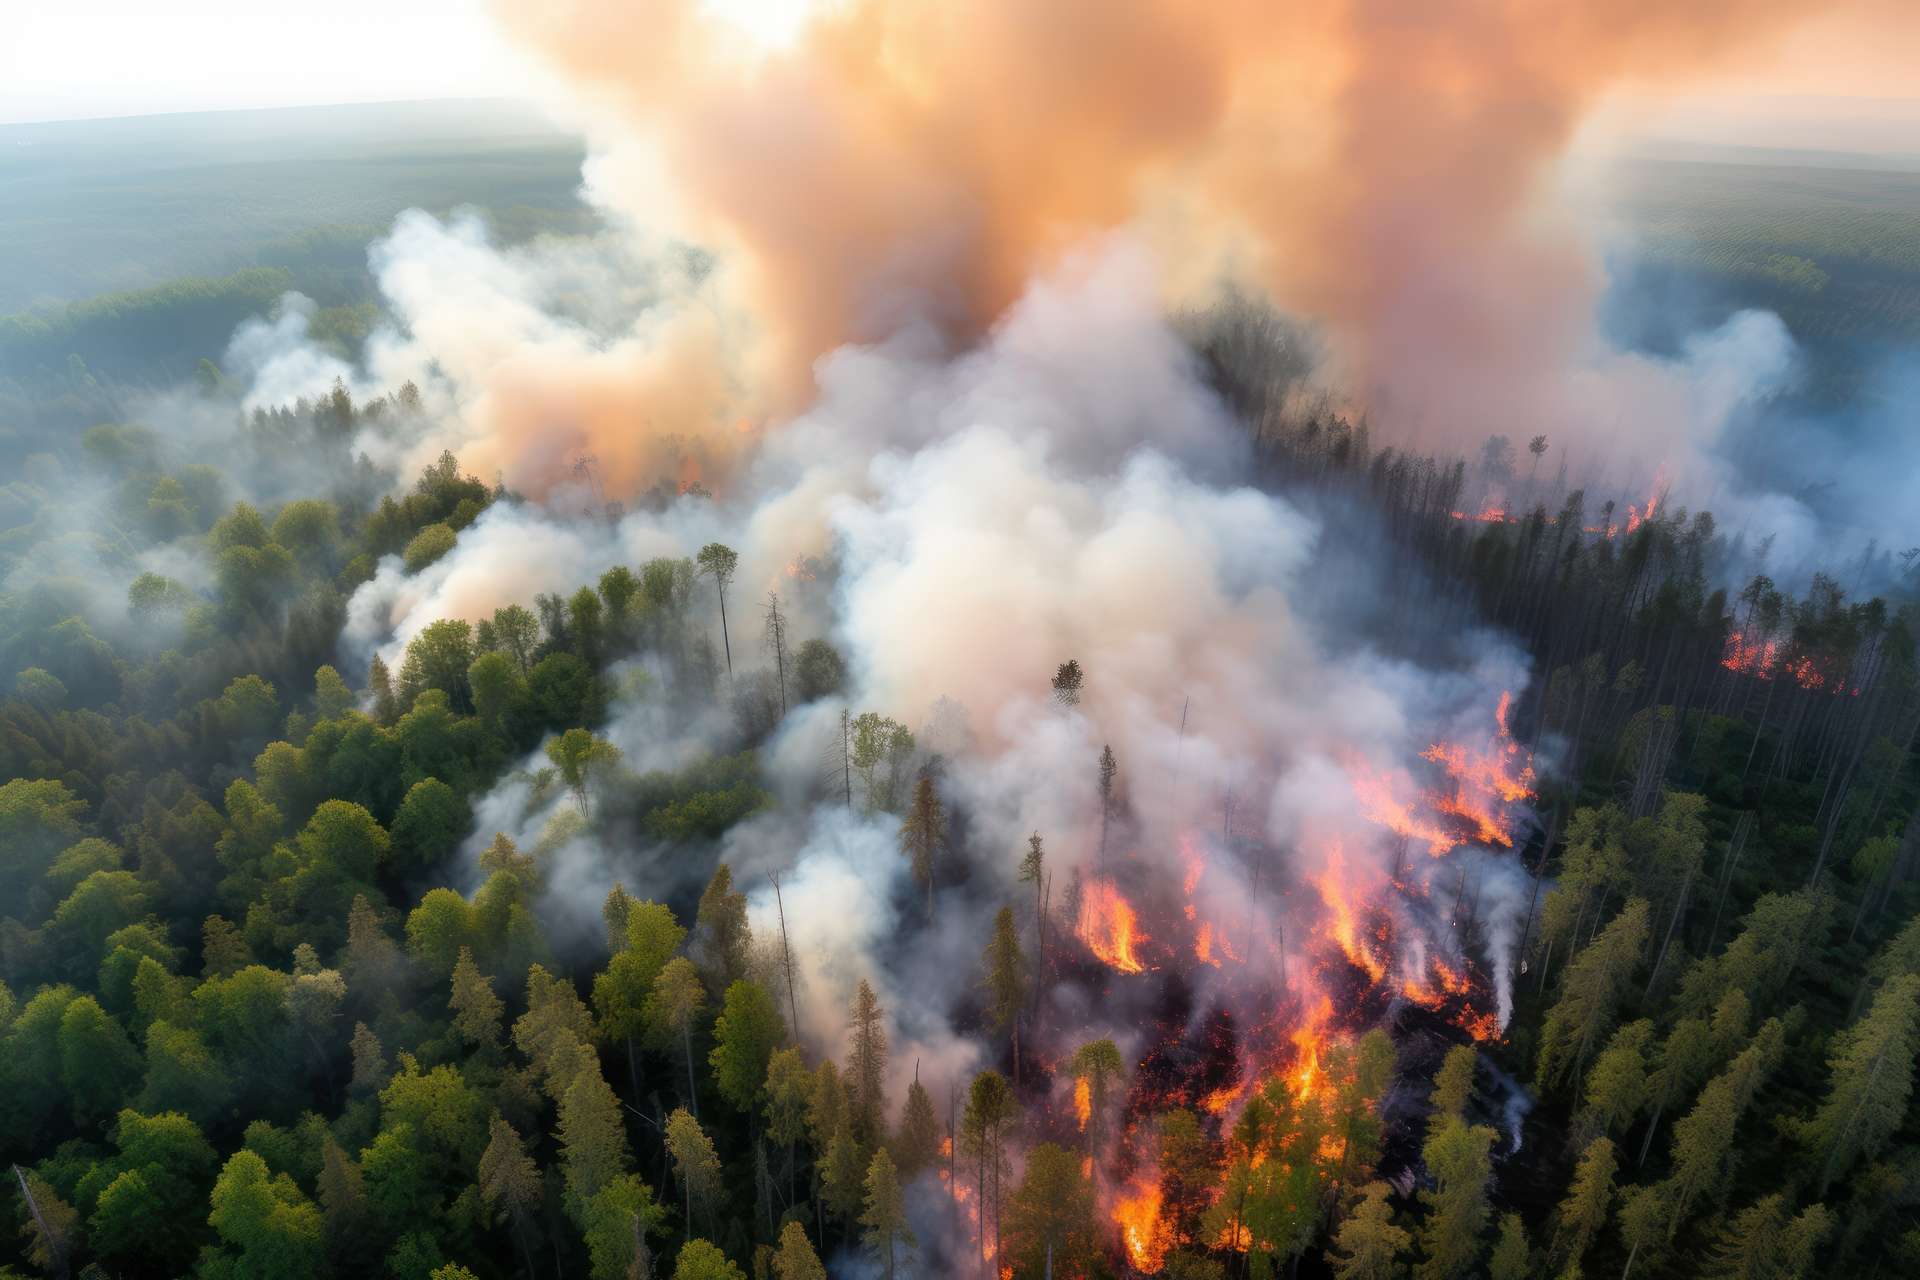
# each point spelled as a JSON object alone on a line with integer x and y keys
{"x": 1485, "y": 781}
{"x": 1343, "y": 923}
{"x": 1762, "y": 658}
{"x": 1083, "y": 1101}
{"x": 1110, "y": 928}
{"x": 1142, "y": 1233}
{"x": 1492, "y": 513}
{"x": 1203, "y": 945}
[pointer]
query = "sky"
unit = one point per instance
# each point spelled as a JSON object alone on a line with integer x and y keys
{"x": 74, "y": 59}
{"x": 77, "y": 59}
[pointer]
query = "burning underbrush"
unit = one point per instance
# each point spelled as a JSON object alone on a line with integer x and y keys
{"x": 1267, "y": 1001}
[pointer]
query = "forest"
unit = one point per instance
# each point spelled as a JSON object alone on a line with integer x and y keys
{"x": 263, "y": 1017}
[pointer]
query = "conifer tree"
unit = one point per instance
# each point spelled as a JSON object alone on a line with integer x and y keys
{"x": 1006, "y": 980}
{"x": 696, "y": 1165}
{"x": 1368, "y": 1246}
{"x": 1871, "y": 1070}
{"x": 1616, "y": 1088}
{"x": 1453, "y": 1085}
{"x": 1459, "y": 1158}
{"x": 917, "y": 1145}
{"x": 1645, "y": 1217}
{"x": 370, "y": 1070}
{"x": 1512, "y": 1259}
{"x": 593, "y": 1137}
{"x": 722, "y": 940}
{"x": 921, "y": 833}
{"x": 1590, "y": 995}
{"x": 510, "y": 1184}
{"x": 670, "y": 1010}
{"x": 1763, "y": 1242}
{"x": 1686, "y": 1055}
{"x": 1098, "y": 1062}
{"x": 867, "y": 1068}
{"x": 1109, "y": 770}
{"x": 843, "y": 1173}
{"x": 1052, "y": 1218}
{"x": 789, "y": 1088}
{"x": 1583, "y": 1212}
{"x": 883, "y": 1220}
{"x": 476, "y": 1010}
{"x": 614, "y": 911}
{"x": 990, "y": 1118}
{"x": 796, "y": 1259}
{"x": 745, "y": 1035}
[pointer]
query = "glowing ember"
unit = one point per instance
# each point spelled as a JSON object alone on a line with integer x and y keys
{"x": 1142, "y": 1233}
{"x": 1110, "y": 928}
{"x": 1492, "y": 513}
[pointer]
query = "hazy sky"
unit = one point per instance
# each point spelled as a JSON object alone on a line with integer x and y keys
{"x": 64, "y": 59}
{"x": 68, "y": 59}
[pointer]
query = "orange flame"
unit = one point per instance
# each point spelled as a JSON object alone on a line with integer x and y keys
{"x": 1203, "y": 945}
{"x": 1343, "y": 923}
{"x": 1143, "y": 1234}
{"x": 1083, "y": 1101}
{"x": 1110, "y": 928}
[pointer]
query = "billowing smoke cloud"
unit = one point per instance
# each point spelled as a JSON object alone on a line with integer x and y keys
{"x": 1066, "y": 488}
{"x": 1387, "y": 169}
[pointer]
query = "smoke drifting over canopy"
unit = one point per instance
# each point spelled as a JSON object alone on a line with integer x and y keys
{"x": 1384, "y": 168}
{"x": 964, "y": 403}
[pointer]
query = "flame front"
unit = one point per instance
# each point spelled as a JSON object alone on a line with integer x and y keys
{"x": 1142, "y": 1233}
{"x": 1110, "y": 928}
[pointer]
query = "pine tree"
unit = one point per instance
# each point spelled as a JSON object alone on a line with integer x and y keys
{"x": 1704, "y": 1136}
{"x": 867, "y": 1068}
{"x": 1097, "y": 1062}
{"x": 614, "y": 911}
{"x": 1686, "y": 1056}
{"x": 1617, "y": 1086}
{"x": 696, "y": 1165}
{"x": 1006, "y": 980}
{"x": 476, "y": 1010}
{"x": 370, "y": 1070}
{"x": 796, "y": 1259}
{"x": 1512, "y": 1259}
{"x": 990, "y": 1118}
{"x": 1053, "y": 1219}
{"x": 1459, "y": 1158}
{"x": 921, "y": 834}
{"x": 1590, "y": 996}
{"x": 1763, "y": 1243}
{"x": 788, "y": 1090}
{"x": 670, "y": 1010}
{"x": 1454, "y": 1083}
{"x": 917, "y": 1145}
{"x": 1368, "y": 1246}
{"x": 385, "y": 708}
{"x": 843, "y": 1173}
{"x": 341, "y": 1191}
{"x": 509, "y": 1183}
{"x": 1109, "y": 770}
{"x": 1871, "y": 1068}
{"x": 745, "y": 1035}
{"x": 1645, "y": 1220}
{"x": 888, "y": 1238}
{"x": 1583, "y": 1212}
{"x": 722, "y": 939}
{"x": 593, "y": 1137}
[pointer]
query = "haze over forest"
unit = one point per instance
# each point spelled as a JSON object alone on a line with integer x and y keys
{"x": 1043, "y": 641}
